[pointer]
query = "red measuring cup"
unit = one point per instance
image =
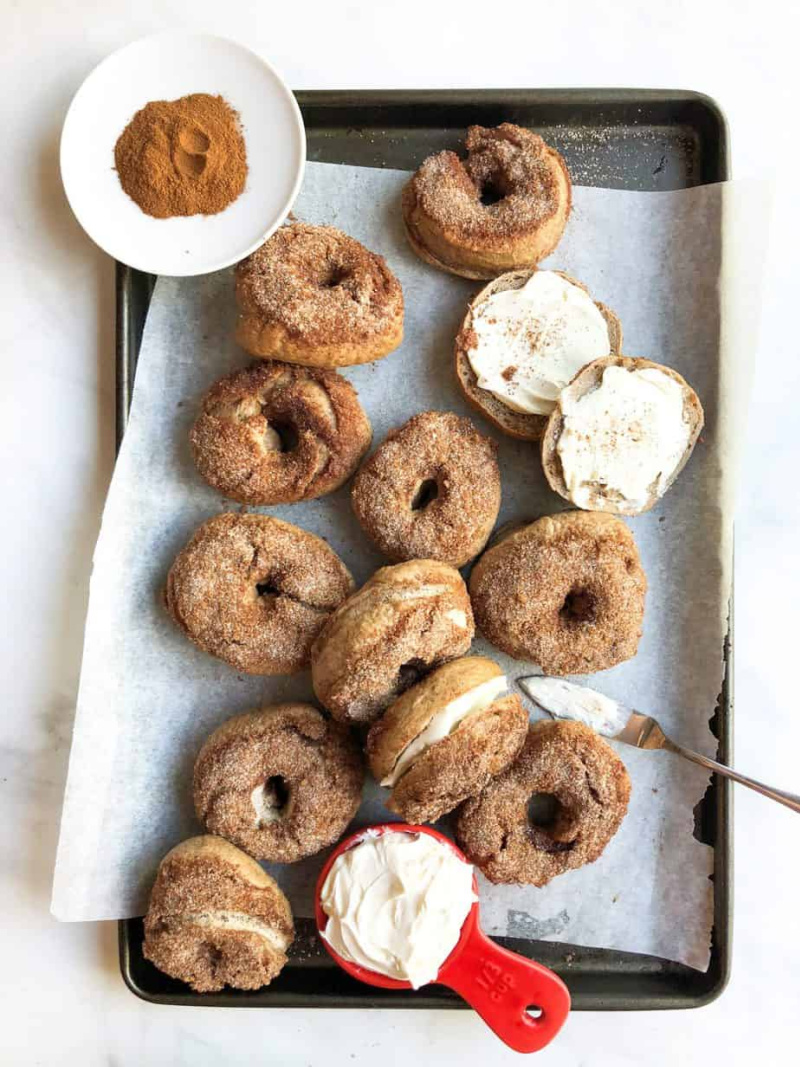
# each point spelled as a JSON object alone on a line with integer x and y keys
{"x": 524, "y": 1003}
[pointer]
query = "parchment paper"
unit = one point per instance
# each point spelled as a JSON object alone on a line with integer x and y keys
{"x": 148, "y": 698}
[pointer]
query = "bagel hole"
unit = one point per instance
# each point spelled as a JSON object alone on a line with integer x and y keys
{"x": 578, "y": 607}
{"x": 271, "y": 800}
{"x": 266, "y": 588}
{"x": 543, "y": 810}
{"x": 491, "y": 193}
{"x": 213, "y": 956}
{"x": 426, "y": 493}
{"x": 332, "y": 276}
{"x": 276, "y": 792}
{"x": 283, "y": 436}
{"x": 545, "y": 813}
{"x": 409, "y": 674}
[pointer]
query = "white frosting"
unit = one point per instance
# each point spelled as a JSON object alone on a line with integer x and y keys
{"x": 236, "y": 920}
{"x": 396, "y": 904}
{"x": 568, "y": 701}
{"x": 622, "y": 441}
{"x": 532, "y": 341}
{"x": 457, "y": 616}
{"x": 445, "y": 721}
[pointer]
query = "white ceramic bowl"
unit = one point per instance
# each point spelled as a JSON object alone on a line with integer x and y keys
{"x": 164, "y": 67}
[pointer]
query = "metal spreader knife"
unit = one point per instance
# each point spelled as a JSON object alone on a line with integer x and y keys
{"x": 563, "y": 700}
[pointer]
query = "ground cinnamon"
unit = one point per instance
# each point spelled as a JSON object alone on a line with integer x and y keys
{"x": 182, "y": 157}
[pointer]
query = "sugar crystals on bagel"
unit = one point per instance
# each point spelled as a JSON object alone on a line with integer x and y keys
{"x": 216, "y": 919}
{"x": 316, "y": 296}
{"x": 589, "y": 788}
{"x": 282, "y": 782}
{"x": 504, "y": 208}
{"x": 431, "y": 490}
{"x": 275, "y": 433}
{"x": 566, "y": 592}
{"x": 255, "y": 591}
{"x": 402, "y": 623}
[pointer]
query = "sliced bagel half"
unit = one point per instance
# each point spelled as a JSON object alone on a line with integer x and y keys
{"x": 601, "y": 498}
{"x": 518, "y": 424}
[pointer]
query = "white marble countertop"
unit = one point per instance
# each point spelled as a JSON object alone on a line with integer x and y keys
{"x": 63, "y": 999}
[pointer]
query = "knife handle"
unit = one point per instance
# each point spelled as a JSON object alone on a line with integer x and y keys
{"x": 789, "y": 800}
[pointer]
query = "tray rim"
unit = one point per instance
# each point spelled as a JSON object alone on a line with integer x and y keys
{"x": 127, "y": 345}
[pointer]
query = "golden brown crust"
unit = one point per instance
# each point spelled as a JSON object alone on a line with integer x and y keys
{"x": 585, "y": 382}
{"x": 412, "y": 712}
{"x": 314, "y": 295}
{"x": 566, "y": 592}
{"x": 433, "y": 449}
{"x": 461, "y": 764}
{"x": 404, "y": 621}
{"x": 449, "y": 227}
{"x": 255, "y": 591}
{"x": 564, "y": 760}
{"x": 515, "y": 423}
{"x": 275, "y": 433}
{"x": 215, "y": 918}
{"x": 309, "y": 770}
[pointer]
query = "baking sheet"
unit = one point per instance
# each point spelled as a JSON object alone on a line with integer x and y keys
{"x": 148, "y": 698}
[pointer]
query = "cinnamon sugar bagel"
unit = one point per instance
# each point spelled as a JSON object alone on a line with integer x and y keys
{"x": 216, "y": 919}
{"x": 281, "y": 783}
{"x": 588, "y": 788}
{"x": 503, "y": 209}
{"x": 315, "y": 296}
{"x": 404, "y": 621}
{"x": 276, "y": 433}
{"x": 255, "y": 591}
{"x": 565, "y": 592}
{"x": 430, "y": 491}
{"x": 445, "y": 738}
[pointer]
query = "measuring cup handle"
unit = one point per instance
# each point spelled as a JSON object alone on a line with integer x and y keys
{"x": 501, "y": 986}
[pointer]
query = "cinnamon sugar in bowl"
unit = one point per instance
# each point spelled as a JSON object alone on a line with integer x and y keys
{"x": 169, "y": 67}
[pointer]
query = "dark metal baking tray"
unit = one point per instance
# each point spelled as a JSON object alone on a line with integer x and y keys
{"x": 617, "y": 138}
